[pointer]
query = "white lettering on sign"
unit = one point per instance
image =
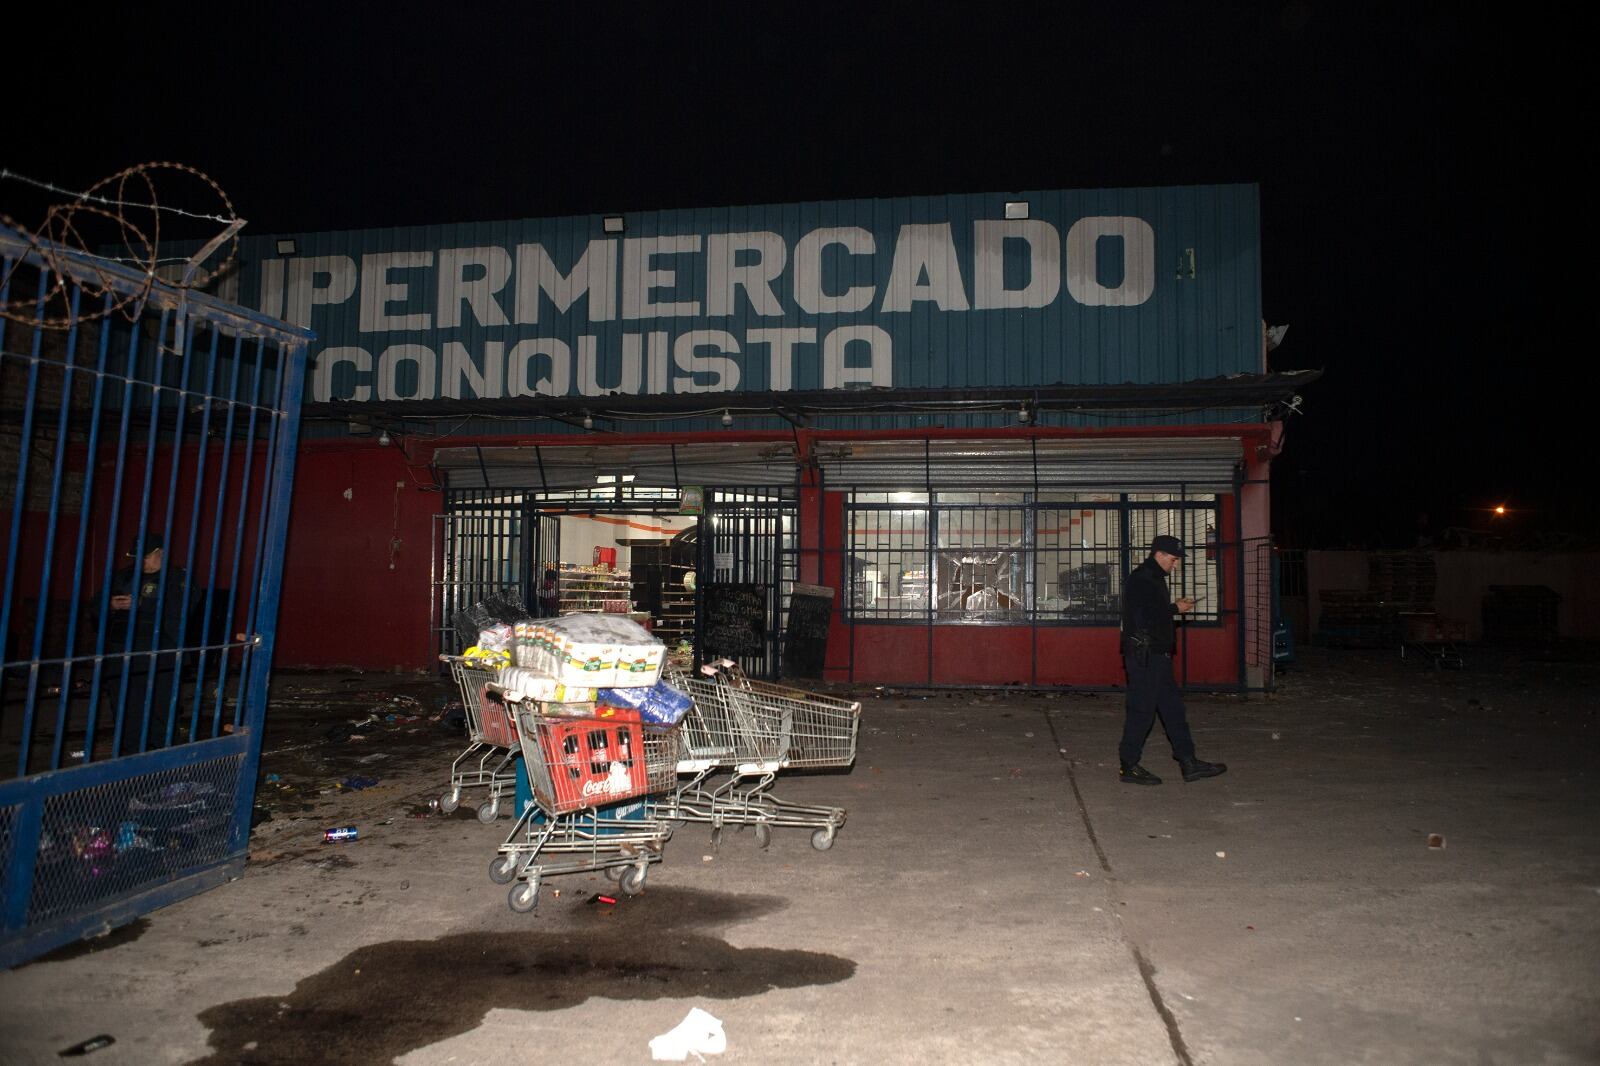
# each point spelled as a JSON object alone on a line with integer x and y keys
{"x": 589, "y": 367}
{"x": 520, "y": 364}
{"x": 1138, "y": 261}
{"x": 327, "y": 359}
{"x": 435, "y": 305}
{"x": 459, "y": 367}
{"x": 378, "y": 292}
{"x": 780, "y": 375}
{"x": 490, "y": 268}
{"x": 640, "y": 277}
{"x": 318, "y": 279}
{"x": 808, "y": 294}
{"x": 879, "y": 350}
{"x": 272, "y": 288}
{"x": 724, "y": 371}
{"x": 724, "y": 275}
{"x": 593, "y": 275}
{"x": 988, "y": 263}
{"x": 389, "y": 372}
{"x": 926, "y": 267}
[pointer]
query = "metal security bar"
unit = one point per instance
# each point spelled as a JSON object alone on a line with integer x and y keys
{"x": 748, "y": 538}
{"x": 1051, "y": 558}
{"x": 1200, "y": 576}
{"x": 1259, "y": 617}
{"x": 888, "y": 557}
{"x": 146, "y": 456}
{"x": 480, "y": 551}
{"x": 1080, "y": 560}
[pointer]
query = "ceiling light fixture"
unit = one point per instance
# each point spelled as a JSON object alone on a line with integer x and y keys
{"x": 727, "y": 419}
{"x": 612, "y": 224}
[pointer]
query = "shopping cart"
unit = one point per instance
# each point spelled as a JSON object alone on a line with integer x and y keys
{"x": 576, "y": 767}
{"x": 754, "y": 729}
{"x": 487, "y": 761}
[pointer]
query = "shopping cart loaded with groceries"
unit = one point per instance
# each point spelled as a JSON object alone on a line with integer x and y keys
{"x": 593, "y": 745}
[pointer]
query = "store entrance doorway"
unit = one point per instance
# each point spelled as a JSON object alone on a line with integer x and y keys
{"x": 644, "y": 554}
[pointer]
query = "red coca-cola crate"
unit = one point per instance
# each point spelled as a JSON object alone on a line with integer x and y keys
{"x": 589, "y": 762}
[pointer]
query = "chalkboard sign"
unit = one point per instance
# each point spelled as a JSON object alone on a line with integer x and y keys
{"x": 733, "y": 620}
{"x": 805, "y": 638}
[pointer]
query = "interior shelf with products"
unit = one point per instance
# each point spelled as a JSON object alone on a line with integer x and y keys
{"x": 597, "y": 590}
{"x": 672, "y": 603}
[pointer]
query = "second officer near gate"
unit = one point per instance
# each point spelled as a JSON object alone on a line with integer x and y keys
{"x": 1148, "y": 640}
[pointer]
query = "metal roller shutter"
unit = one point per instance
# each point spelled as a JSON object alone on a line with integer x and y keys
{"x": 1196, "y": 464}
{"x": 561, "y": 467}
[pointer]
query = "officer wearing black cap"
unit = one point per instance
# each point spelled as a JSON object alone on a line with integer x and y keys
{"x": 1148, "y": 640}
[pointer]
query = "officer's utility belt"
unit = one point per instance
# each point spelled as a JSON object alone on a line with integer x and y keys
{"x": 1137, "y": 648}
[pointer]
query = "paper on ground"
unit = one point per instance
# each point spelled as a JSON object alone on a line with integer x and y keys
{"x": 698, "y": 1034}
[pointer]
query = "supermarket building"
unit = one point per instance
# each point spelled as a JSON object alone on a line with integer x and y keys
{"x": 912, "y": 441}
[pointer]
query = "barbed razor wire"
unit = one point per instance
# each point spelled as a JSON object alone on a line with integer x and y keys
{"x": 61, "y": 236}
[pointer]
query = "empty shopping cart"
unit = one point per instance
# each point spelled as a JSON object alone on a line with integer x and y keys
{"x": 487, "y": 762}
{"x": 753, "y": 730}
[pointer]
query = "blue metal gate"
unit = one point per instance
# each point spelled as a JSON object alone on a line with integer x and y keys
{"x": 146, "y": 458}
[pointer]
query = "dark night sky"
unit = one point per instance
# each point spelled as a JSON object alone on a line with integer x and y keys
{"x": 1407, "y": 191}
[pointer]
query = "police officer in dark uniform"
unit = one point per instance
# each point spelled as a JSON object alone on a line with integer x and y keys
{"x": 134, "y": 592}
{"x": 1148, "y": 640}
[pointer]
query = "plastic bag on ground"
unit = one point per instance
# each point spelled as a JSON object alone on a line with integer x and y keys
{"x": 699, "y": 1034}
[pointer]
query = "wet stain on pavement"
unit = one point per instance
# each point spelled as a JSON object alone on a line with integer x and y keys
{"x": 123, "y": 934}
{"x": 651, "y": 947}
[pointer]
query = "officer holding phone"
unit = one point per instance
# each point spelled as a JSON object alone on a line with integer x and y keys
{"x": 1148, "y": 639}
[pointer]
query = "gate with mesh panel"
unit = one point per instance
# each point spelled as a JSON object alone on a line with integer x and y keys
{"x": 146, "y": 464}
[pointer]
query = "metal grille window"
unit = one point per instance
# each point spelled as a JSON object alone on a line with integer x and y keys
{"x": 1200, "y": 575}
{"x": 1080, "y": 562}
{"x": 889, "y": 557}
{"x": 979, "y": 564}
{"x": 486, "y": 551}
{"x": 1015, "y": 558}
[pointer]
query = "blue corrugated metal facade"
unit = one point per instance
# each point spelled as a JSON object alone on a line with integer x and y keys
{"x": 1147, "y": 286}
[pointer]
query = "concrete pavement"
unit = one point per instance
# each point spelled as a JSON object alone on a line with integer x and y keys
{"x": 996, "y": 896}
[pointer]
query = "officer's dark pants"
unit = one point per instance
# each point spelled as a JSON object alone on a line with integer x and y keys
{"x": 1151, "y": 691}
{"x": 134, "y": 721}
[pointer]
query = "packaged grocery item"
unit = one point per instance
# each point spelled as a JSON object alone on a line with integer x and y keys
{"x": 660, "y": 703}
{"x": 639, "y": 665}
{"x": 598, "y": 651}
{"x": 496, "y": 637}
{"x": 526, "y": 683}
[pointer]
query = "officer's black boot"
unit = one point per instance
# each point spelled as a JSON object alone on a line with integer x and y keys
{"x": 1134, "y": 774}
{"x": 1195, "y": 769}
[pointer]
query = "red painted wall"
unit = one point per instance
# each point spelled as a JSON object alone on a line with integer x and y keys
{"x": 356, "y": 580}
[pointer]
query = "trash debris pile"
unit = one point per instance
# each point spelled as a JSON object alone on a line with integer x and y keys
{"x": 121, "y": 842}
